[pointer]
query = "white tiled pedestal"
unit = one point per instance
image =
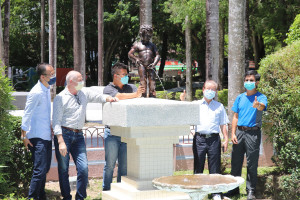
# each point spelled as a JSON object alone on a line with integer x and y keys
{"x": 150, "y": 127}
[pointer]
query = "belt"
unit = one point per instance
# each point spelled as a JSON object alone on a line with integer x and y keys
{"x": 207, "y": 135}
{"x": 71, "y": 129}
{"x": 246, "y": 128}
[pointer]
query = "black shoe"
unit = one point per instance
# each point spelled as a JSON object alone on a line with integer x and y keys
{"x": 233, "y": 192}
{"x": 251, "y": 195}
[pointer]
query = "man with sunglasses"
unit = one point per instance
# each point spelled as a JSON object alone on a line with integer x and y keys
{"x": 36, "y": 129}
{"x": 246, "y": 132}
{"x": 69, "y": 108}
{"x": 115, "y": 149}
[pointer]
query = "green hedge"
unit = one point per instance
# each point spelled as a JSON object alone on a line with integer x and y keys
{"x": 280, "y": 82}
{"x": 198, "y": 94}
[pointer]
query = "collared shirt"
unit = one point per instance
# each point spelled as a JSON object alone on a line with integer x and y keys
{"x": 212, "y": 115}
{"x": 36, "y": 120}
{"x": 69, "y": 110}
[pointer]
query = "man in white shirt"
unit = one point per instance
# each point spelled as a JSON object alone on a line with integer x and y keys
{"x": 213, "y": 118}
{"x": 69, "y": 108}
{"x": 36, "y": 129}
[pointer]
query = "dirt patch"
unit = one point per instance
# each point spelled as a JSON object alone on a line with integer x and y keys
{"x": 93, "y": 191}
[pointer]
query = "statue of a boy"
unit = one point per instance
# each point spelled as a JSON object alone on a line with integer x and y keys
{"x": 146, "y": 59}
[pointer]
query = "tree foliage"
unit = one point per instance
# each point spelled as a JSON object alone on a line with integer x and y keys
{"x": 294, "y": 31}
{"x": 280, "y": 82}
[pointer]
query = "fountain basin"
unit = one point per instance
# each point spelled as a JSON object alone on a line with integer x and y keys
{"x": 198, "y": 185}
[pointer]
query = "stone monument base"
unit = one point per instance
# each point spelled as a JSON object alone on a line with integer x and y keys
{"x": 128, "y": 189}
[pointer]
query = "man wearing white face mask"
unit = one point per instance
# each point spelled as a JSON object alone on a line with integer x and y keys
{"x": 213, "y": 119}
{"x": 246, "y": 133}
{"x": 69, "y": 108}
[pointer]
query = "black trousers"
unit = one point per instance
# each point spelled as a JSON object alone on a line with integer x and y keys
{"x": 210, "y": 146}
{"x": 248, "y": 142}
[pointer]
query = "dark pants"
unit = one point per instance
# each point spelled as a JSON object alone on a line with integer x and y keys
{"x": 76, "y": 146}
{"x": 248, "y": 142}
{"x": 41, "y": 157}
{"x": 210, "y": 146}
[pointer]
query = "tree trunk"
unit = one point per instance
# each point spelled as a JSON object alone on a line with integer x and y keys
{"x": 145, "y": 12}
{"x": 188, "y": 55}
{"x": 164, "y": 53}
{"x": 258, "y": 48}
{"x": 247, "y": 44}
{"x": 6, "y": 32}
{"x": 52, "y": 40}
{"x": 100, "y": 42}
{"x": 42, "y": 31}
{"x": 78, "y": 37}
{"x": 236, "y": 51}
{"x": 212, "y": 40}
{"x": 221, "y": 50}
{"x": 1, "y": 44}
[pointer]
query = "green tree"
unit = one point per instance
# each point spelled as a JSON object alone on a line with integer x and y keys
{"x": 294, "y": 31}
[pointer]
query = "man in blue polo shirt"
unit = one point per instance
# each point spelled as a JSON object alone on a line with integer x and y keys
{"x": 246, "y": 132}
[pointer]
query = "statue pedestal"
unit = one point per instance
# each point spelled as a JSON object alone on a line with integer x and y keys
{"x": 150, "y": 127}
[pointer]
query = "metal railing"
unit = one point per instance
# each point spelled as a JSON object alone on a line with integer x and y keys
{"x": 94, "y": 136}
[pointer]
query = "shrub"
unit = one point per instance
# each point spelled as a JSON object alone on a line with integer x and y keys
{"x": 19, "y": 164}
{"x": 280, "y": 82}
{"x": 294, "y": 31}
{"x": 223, "y": 97}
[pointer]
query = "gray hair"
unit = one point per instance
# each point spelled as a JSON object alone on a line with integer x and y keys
{"x": 210, "y": 82}
{"x": 71, "y": 75}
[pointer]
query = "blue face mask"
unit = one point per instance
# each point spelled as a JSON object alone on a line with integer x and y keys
{"x": 249, "y": 85}
{"x": 209, "y": 94}
{"x": 52, "y": 80}
{"x": 124, "y": 80}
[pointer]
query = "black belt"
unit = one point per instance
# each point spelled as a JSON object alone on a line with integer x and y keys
{"x": 71, "y": 129}
{"x": 207, "y": 135}
{"x": 246, "y": 128}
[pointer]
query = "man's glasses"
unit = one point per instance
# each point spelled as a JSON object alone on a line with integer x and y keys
{"x": 49, "y": 75}
{"x": 77, "y": 99}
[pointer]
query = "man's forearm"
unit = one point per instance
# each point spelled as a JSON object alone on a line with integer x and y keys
{"x": 234, "y": 125}
{"x": 123, "y": 96}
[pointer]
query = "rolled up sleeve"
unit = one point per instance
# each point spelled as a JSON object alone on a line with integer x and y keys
{"x": 57, "y": 115}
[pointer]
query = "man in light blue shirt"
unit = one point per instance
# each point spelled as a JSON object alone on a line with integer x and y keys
{"x": 36, "y": 129}
{"x": 213, "y": 119}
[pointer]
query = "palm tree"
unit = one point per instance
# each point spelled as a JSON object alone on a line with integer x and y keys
{"x": 145, "y": 12}
{"x": 6, "y": 32}
{"x": 42, "y": 31}
{"x": 78, "y": 37}
{"x": 100, "y": 42}
{"x": 52, "y": 40}
{"x": 212, "y": 40}
{"x": 188, "y": 55}
{"x": 1, "y": 44}
{"x": 236, "y": 51}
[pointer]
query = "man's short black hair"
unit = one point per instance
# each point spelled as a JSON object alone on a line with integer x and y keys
{"x": 41, "y": 69}
{"x": 116, "y": 67}
{"x": 253, "y": 72}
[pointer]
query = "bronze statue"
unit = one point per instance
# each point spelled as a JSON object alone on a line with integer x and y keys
{"x": 146, "y": 59}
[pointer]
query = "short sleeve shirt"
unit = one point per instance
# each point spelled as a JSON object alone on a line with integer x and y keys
{"x": 113, "y": 90}
{"x": 249, "y": 116}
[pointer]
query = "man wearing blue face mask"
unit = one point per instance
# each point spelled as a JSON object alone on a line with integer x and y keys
{"x": 114, "y": 148}
{"x": 213, "y": 119}
{"x": 36, "y": 129}
{"x": 246, "y": 133}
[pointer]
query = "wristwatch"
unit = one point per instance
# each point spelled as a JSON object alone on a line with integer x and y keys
{"x": 23, "y": 138}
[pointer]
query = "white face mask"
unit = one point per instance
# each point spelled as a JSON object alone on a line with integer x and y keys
{"x": 79, "y": 85}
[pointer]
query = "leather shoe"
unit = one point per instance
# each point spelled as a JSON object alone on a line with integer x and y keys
{"x": 251, "y": 195}
{"x": 233, "y": 192}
